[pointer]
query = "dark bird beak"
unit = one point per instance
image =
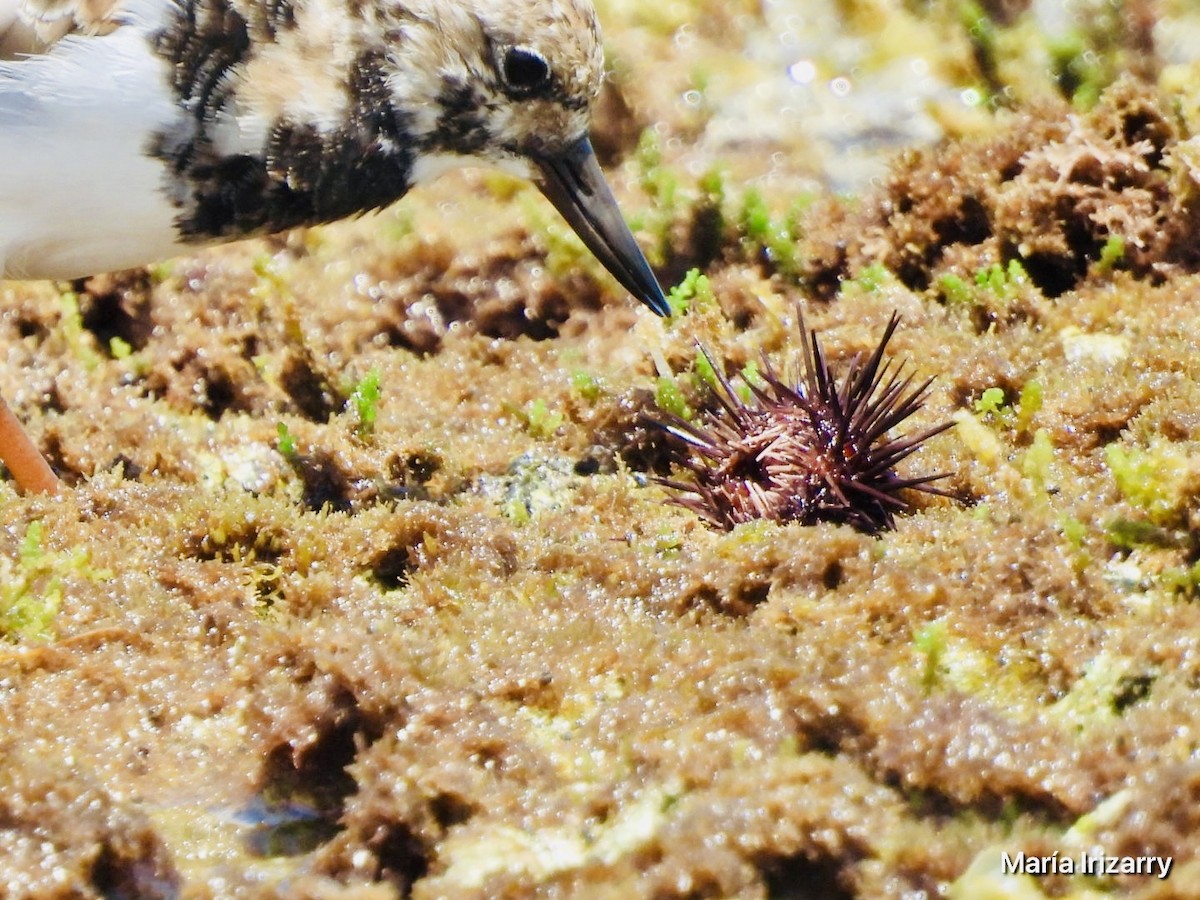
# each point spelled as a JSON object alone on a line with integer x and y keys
{"x": 573, "y": 182}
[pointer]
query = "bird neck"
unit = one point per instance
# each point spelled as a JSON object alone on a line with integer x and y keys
{"x": 280, "y": 125}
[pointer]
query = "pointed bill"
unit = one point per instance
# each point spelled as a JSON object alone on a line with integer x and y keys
{"x": 573, "y": 182}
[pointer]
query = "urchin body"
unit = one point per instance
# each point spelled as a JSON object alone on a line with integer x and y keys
{"x": 812, "y": 451}
{"x": 132, "y": 130}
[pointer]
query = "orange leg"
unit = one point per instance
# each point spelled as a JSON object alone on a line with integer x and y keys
{"x": 25, "y": 462}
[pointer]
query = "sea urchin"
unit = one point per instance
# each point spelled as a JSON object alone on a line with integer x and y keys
{"x": 816, "y": 452}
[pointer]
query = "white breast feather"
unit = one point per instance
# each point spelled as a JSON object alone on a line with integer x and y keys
{"x": 80, "y": 192}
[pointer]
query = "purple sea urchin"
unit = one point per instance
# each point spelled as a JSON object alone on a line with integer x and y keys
{"x": 816, "y": 452}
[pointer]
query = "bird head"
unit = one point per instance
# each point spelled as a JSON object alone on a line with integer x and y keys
{"x": 513, "y": 85}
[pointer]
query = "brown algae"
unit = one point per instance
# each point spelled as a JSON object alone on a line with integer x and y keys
{"x": 470, "y": 651}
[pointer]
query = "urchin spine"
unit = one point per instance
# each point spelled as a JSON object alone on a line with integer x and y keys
{"x": 815, "y": 452}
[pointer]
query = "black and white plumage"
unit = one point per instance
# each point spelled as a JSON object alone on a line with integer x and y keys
{"x": 163, "y": 125}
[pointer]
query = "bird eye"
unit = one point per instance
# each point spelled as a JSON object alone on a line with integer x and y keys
{"x": 524, "y": 69}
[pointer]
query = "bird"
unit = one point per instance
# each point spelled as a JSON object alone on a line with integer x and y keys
{"x": 132, "y": 131}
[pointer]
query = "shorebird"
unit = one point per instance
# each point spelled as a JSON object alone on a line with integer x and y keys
{"x": 134, "y": 130}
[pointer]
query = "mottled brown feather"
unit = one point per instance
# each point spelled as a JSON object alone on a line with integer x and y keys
{"x": 39, "y": 23}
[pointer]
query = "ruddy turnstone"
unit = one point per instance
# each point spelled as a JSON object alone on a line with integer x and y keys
{"x": 163, "y": 125}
